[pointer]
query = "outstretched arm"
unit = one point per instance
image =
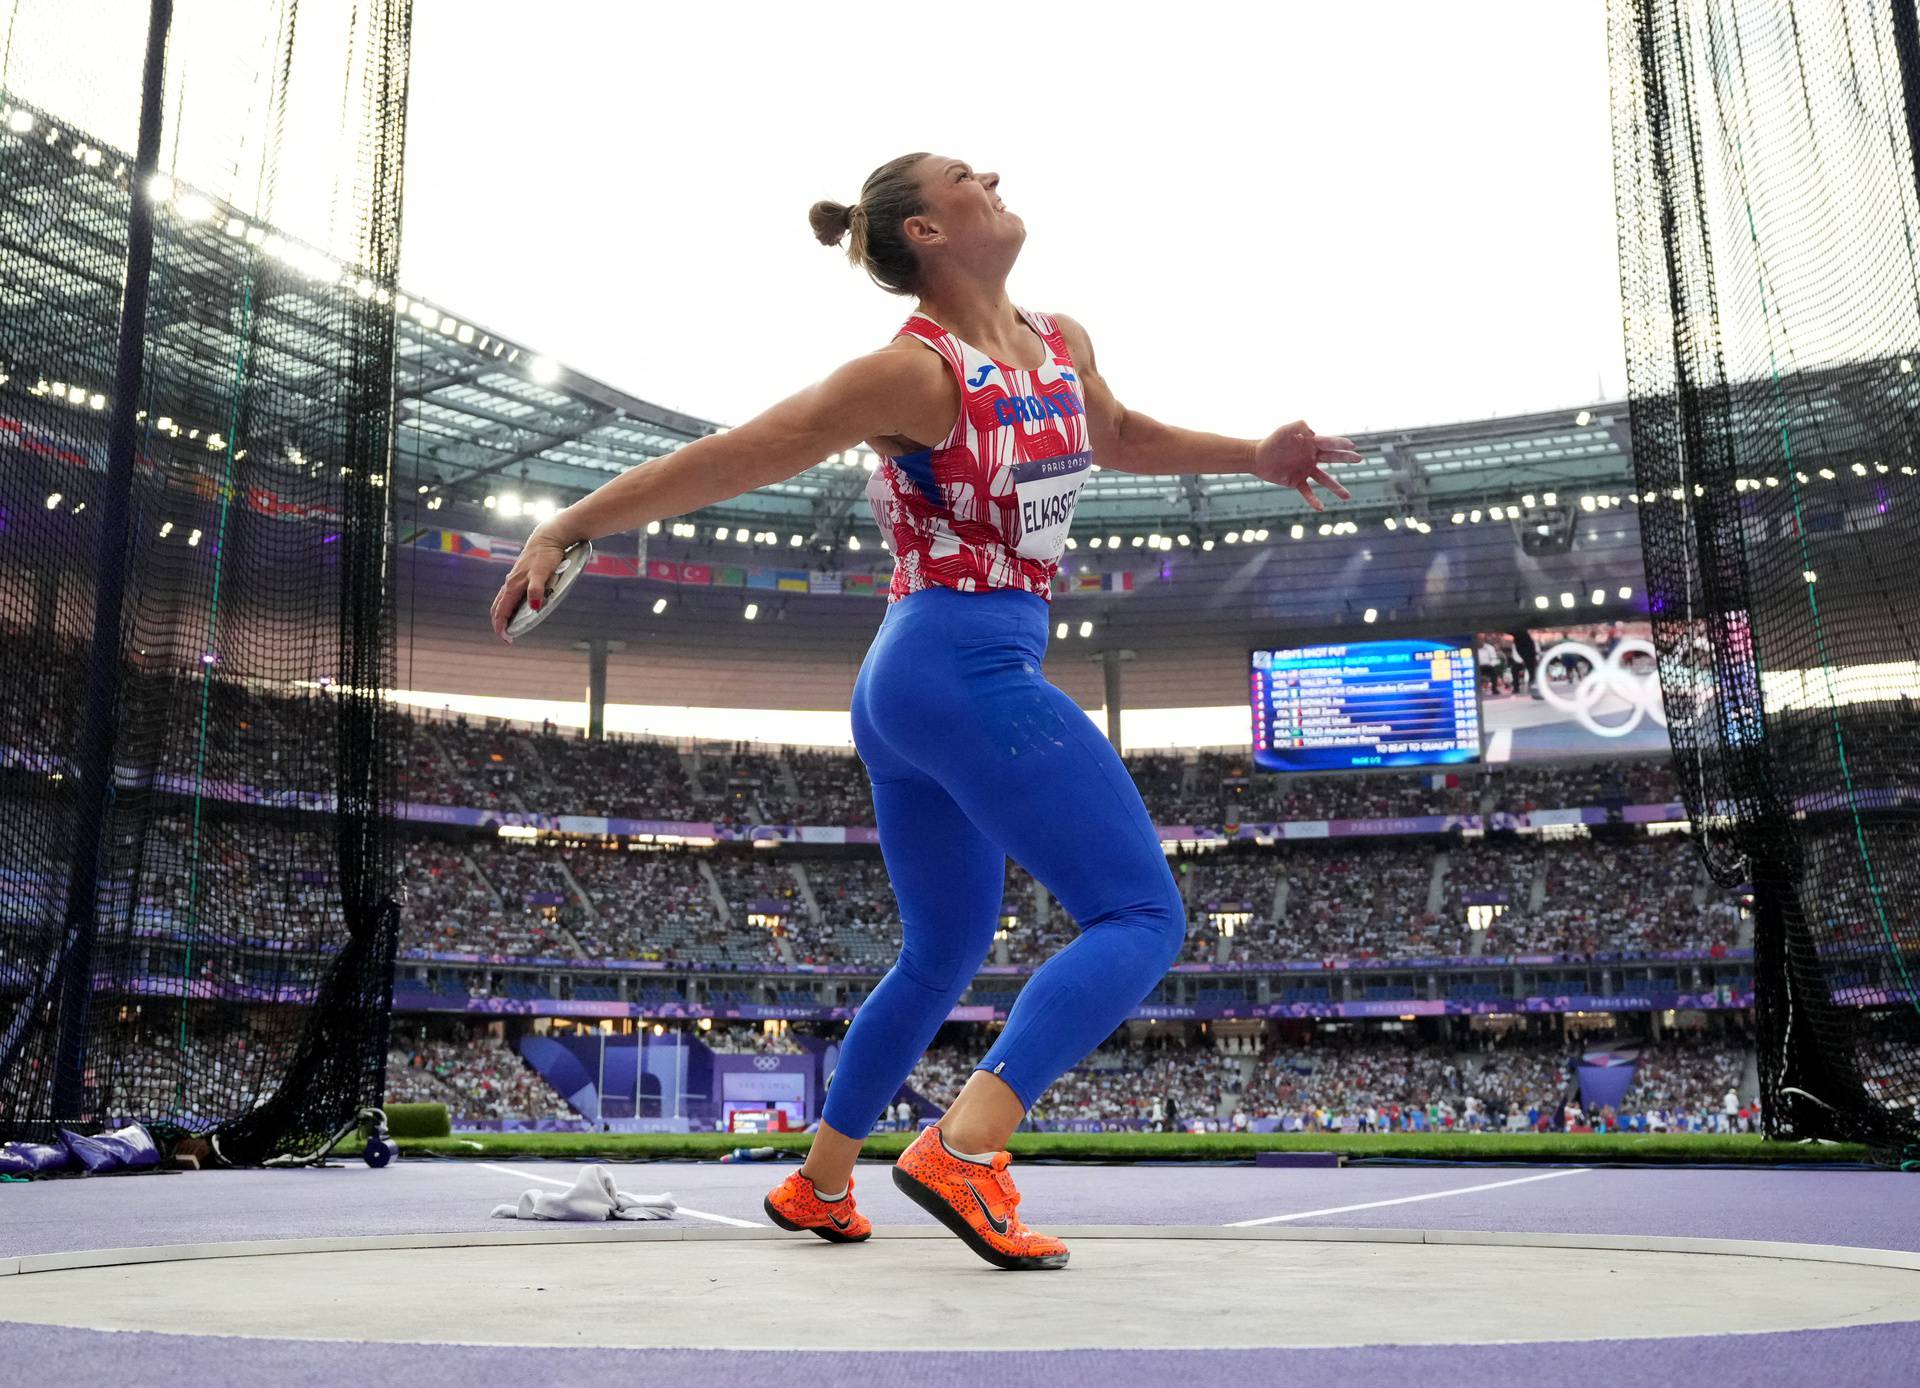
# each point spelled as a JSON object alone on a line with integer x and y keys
{"x": 884, "y": 392}
{"x": 1128, "y": 441}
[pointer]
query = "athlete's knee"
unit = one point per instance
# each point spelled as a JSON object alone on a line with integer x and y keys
{"x": 946, "y": 975}
{"x": 1171, "y": 916}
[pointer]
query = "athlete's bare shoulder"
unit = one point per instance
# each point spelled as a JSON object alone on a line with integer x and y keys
{"x": 929, "y": 397}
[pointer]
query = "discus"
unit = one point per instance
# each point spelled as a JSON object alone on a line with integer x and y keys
{"x": 572, "y": 564}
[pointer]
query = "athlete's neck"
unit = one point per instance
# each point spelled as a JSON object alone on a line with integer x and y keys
{"x": 983, "y": 315}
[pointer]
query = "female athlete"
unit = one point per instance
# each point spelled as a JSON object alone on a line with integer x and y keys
{"x": 988, "y": 418}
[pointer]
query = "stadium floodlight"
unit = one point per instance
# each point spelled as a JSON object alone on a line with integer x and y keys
{"x": 53, "y": 501}
{"x": 1550, "y": 498}
{"x": 1586, "y": 503}
{"x": 542, "y": 510}
{"x": 1370, "y": 615}
{"x": 1326, "y": 528}
{"x": 1139, "y": 540}
{"x": 166, "y": 529}
{"x": 853, "y": 542}
{"x": 509, "y": 505}
{"x": 1527, "y": 501}
{"x": 20, "y": 122}
{"x": 1809, "y": 575}
{"x": 1391, "y": 523}
{"x": 1566, "y": 599}
{"x": 653, "y": 527}
{"x": 160, "y": 188}
{"x": 1233, "y": 537}
{"x": 1583, "y": 419}
{"x": 1625, "y": 593}
{"x": 545, "y": 370}
{"x": 194, "y": 538}
{"x": 1207, "y": 545}
{"x": 1061, "y": 631}
{"x": 1543, "y": 602}
{"x": 1298, "y": 532}
{"x": 753, "y": 610}
{"x": 1474, "y": 516}
{"x": 1599, "y": 596}
{"x": 1072, "y": 543}
{"x": 1459, "y": 517}
{"x": 1086, "y": 628}
{"x": 1184, "y": 539}
{"x": 193, "y": 207}
{"x": 659, "y": 606}
{"x": 436, "y": 503}
{"x": 722, "y": 533}
{"x": 1095, "y": 542}
{"x": 795, "y": 541}
{"x": 1113, "y": 542}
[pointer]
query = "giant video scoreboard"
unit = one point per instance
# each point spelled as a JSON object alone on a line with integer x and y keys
{"x": 1360, "y": 704}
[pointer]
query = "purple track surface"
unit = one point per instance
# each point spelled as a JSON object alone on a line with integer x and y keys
{"x": 1863, "y": 1208}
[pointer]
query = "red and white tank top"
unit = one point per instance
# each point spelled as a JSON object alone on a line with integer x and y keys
{"x": 989, "y": 506}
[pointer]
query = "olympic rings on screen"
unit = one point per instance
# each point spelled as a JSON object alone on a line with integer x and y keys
{"x": 1605, "y": 675}
{"x": 766, "y": 1062}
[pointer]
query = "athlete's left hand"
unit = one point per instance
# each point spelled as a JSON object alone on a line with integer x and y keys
{"x": 1294, "y": 456}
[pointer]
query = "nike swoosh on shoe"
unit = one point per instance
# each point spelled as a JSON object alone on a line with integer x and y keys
{"x": 999, "y": 1225}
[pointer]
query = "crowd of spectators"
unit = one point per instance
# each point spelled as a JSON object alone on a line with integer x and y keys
{"x": 476, "y": 1079}
{"x": 1645, "y": 894}
{"x": 859, "y": 918}
{"x": 655, "y": 906}
{"x": 451, "y": 910}
{"x": 751, "y": 1040}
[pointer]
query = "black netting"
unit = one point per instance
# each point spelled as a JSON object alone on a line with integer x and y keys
{"x": 201, "y": 603}
{"x": 1765, "y": 183}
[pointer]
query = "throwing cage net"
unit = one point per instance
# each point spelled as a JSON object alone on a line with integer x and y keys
{"x": 1765, "y": 181}
{"x": 199, "y": 230}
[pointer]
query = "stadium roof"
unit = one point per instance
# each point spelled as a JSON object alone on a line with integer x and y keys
{"x": 481, "y": 415}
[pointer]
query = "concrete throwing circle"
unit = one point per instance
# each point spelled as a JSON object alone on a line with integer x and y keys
{"x": 653, "y": 1286}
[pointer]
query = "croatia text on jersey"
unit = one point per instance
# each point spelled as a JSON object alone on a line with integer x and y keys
{"x": 1032, "y": 409}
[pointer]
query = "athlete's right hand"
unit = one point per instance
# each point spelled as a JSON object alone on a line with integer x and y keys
{"x": 531, "y": 573}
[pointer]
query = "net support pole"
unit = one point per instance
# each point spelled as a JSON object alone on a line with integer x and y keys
{"x": 1906, "y": 48}
{"x": 95, "y": 760}
{"x": 1110, "y": 677}
{"x": 597, "y": 689}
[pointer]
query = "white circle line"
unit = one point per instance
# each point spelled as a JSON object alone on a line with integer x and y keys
{"x": 622, "y": 1232}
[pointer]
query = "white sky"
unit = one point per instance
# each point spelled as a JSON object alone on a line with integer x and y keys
{"x": 1366, "y": 216}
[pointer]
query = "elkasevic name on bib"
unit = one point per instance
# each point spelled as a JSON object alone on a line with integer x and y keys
{"x": 1048, "y": 489}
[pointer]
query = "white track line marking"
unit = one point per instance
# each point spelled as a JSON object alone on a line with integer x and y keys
{"x": 678, "y": 1209}
{"x": 1405, "y": 1199}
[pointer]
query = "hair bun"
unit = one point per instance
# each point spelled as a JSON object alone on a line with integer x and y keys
{"x": 830, "y": 221}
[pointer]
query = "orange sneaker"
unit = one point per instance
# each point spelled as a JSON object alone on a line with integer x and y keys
{"x": 796, "y": 1206}
{"x": 977, "y": 1201}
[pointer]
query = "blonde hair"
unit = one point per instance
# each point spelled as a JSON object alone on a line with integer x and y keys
{"x": 890, "y": 195}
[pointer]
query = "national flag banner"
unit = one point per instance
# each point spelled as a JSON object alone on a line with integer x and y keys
{"x": 474, "y": 546}
{"x": 1088, "y": 583}
{"x": 1118, "y": 582}
{"x": 823, "y": 581}
{"x": 272, "y": 504}
{"x": 501, "y": 551}
{"x": 730, "y": 576}
{"x": 859, "y": 583}
{"x": 790, "y": 580}
{"x": 758, "y": 577}
{"x": 696, "y": 573}
{"x": 1441, "y": 780}
{"x": 614, "y": 565}
{"x": 663, "y": 571}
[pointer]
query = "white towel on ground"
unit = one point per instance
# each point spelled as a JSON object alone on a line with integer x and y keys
{"x": 593, "y": 1197}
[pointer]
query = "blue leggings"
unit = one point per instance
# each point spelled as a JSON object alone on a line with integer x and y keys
{"x": 975, "y": 758}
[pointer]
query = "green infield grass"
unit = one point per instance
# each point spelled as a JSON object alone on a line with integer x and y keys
{"x": 1652, "y": 1149}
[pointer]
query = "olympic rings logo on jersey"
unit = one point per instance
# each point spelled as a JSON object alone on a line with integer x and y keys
{"x": 766, "y": 1062}
{"x": 1606, "y": 674}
